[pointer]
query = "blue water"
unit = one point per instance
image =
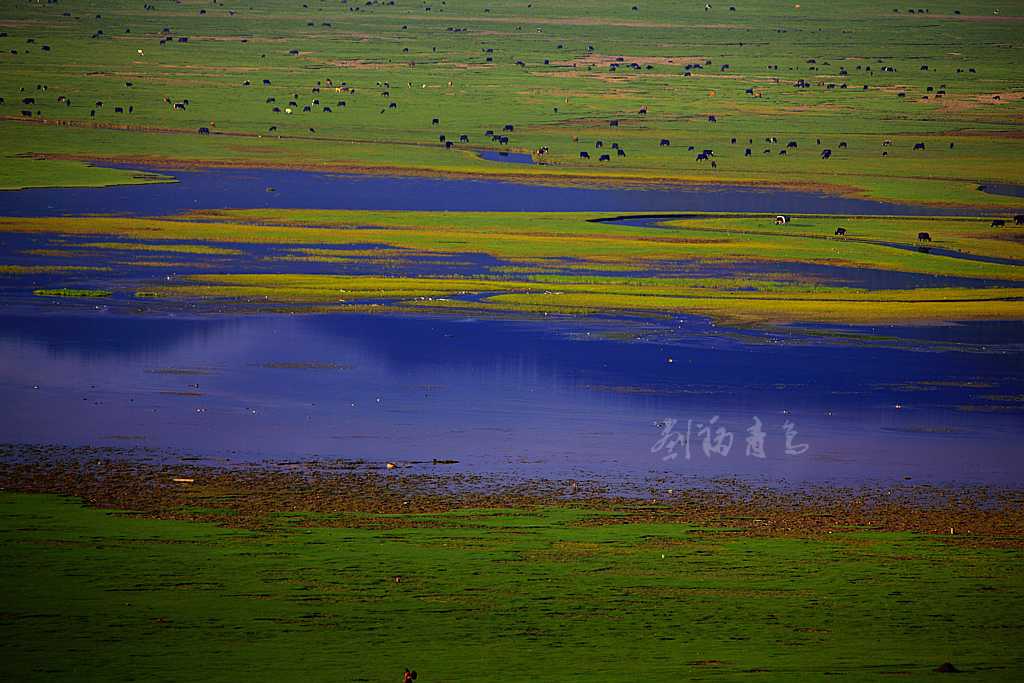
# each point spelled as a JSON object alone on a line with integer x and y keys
{"x": 242, "y": 188}
{"x": 1006, "y": 190}
{"x": 509, "y": 396}
{"x": 507, "y": 157}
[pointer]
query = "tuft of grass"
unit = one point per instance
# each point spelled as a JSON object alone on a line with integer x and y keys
{"x": 72, "y": 292}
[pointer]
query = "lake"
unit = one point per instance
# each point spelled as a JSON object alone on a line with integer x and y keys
{"x": 552, "y": 397}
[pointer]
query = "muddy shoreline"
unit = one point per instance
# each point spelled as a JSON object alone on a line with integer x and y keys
{"x": 353, "y": 493}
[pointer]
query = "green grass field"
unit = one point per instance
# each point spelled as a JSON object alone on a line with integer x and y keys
{"x": 489, "y": 594}
{"x": 477, "y": 66}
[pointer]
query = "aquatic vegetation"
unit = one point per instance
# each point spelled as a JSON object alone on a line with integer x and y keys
{"x": 568, "y": 263}
{"x": 55, "y": 268}
{"x": 174, "y": 248}
{"x": 72, "y": 292}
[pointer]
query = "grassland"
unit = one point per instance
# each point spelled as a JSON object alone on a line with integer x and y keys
{"x": 545, "y": 263}
{"x": 538, "y": 593}
{"x": 948, "y": 78}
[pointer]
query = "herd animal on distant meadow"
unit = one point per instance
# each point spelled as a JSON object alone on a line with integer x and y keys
{"x": 704, "y": 155}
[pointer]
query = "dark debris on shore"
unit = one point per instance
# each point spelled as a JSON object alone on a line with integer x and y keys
{"x": 354, "y": 493}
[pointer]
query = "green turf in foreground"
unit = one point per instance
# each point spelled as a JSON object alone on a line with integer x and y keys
{"x": 488, "y": 595}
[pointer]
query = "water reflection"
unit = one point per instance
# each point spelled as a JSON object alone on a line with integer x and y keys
{"x": 551, "y": 400}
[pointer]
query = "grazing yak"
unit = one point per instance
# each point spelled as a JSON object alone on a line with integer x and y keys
{"x": 664, "y": 142}
{"x": 924, "y": 237}
{"x": 782, "y": 220}
{"x": 840, "y": 232}
{"x": 1018, "y": 219}
{"x": 826, "y": 154}
{"x": 998, "y": 223}
{"x": 584, "y": 155}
